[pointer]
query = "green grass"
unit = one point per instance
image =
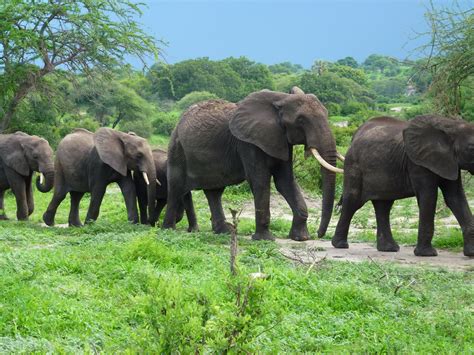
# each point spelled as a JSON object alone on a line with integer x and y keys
{"x": 116, "y": 287}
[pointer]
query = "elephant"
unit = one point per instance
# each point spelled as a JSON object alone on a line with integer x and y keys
{"x": 20, "y": 156}
{"x": 160, "y": 158}
{"x": 390, "y": 159}
{"x": 218, "y": 143}
{"x": 88, "y": 162}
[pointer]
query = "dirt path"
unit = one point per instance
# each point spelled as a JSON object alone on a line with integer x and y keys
{"x": 313, "y": 250}
{"x": 359, "y": 251}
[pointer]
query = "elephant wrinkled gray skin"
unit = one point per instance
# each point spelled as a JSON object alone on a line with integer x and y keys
{"x": 160, "y": 158}
{"x": 21, "y": 155}
{"x": 88, "y": 162}
{"x": 391, "y": 159}
{"x": 217, "y": 143}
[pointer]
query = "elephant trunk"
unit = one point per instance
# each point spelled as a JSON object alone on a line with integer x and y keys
{"x": 48, "y": 183}
{"x": 329, "y": 188}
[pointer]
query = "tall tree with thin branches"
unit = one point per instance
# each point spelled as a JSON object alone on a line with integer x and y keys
{"x": 38, "y": 37}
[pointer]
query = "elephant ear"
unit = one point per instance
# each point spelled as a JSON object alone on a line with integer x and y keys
{"x": 110, "y": 148}
{"x": 428, "y": 145}
{"x": 13, "y": 155}
{"x": 256, "y": 121}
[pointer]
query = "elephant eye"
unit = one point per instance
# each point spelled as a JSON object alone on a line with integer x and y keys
{"x": 300, "y": 120}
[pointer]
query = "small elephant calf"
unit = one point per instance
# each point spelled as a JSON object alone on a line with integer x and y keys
{"x": 160, "y": 158}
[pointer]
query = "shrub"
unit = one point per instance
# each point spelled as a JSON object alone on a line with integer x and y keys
{"x": 352, "y": 107}
{"x": 143, "y": 128}
{"x": 333, "y": 108}
{"x": 164, "y": 122}
{"x": 194, "y": 97}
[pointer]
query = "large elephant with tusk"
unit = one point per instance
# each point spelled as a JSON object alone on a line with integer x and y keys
{"x": 88, "y": 162}
{"x": 20, "y": 156}
{"x": 217, "y": 143}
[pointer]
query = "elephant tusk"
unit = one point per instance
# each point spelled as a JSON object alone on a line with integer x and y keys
{"x": 158, "y": 182}
{"x": 324, "y": 163}
{"x": 41, "y": 178}
{"x": 340, "y": 156}
{"x": 145, "y": 177}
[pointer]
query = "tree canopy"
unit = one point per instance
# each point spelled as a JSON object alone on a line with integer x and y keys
{"x": 38, "y": 37}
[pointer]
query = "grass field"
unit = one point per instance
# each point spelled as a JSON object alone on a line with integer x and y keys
{"x": 116, "y": 287}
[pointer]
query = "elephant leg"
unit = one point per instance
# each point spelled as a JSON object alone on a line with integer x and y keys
{"x": 160, "y": 204}
{"x": 426, "y": 196}
{"x": 59, "y": 194}
{"x": 190, "y": 213}
{"x": 219, "y": 224}
{"x": 127, "y": 186}
{"x": 287, "y": 186}
{"x": 97, "y": 194}
{"x": 3, "y": 215}
{"x": 18, "y": 187}
{"x": 29, "y": 195}
{"x": 455, "y": 199}
{"x": 74, "y": 220}
{"x": 350, "y": 205}
{"x": 260, "y": 186}
{"x": 385, "y": 241}
{"x": 176, "y": 191}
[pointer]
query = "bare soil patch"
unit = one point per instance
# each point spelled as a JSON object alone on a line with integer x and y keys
{"x": 311, "y": 250}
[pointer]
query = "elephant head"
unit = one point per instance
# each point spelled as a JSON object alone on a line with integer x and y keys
{"x": 25, "y": 154}
{"x": 273, "y": 121}
{"x": 440, "y": 144}
{"x": 127, "y": 151}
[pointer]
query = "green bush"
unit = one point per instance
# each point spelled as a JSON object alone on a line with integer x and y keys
{"x": 164, "y": 122}
{"x": 343, "y": 135}
{"x": 334, "y": 109}
{"x": 194, "y": 97}
{"x": 352, "y": 107}
{"x": 143, "y": 128}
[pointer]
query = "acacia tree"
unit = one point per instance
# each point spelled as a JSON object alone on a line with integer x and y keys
{"x": 39, "y": 36}
{"x": 451, "y": 55}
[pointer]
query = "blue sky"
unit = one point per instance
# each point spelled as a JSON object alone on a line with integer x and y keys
{"x": 298, "y": 31}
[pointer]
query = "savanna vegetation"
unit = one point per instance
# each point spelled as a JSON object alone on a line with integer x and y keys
{"x": 116, "y": 287}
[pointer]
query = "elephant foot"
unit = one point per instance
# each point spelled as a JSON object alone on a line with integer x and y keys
{"x": 425, "y": 251}
{"x": 299, "y": 234}
{"x": 390, "y": 246}
{"x": 75, "y": 224}
{"x": 48, "y": 219}
{"x": 266, "y": 235}
{"x": 339, "y": 243}
{"x": 469, "y": 250}
{"x": 222, "y": 228}
{"x": 193, "y": 228}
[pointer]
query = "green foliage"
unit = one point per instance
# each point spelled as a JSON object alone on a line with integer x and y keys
{"x": 390, "y": 89}
{"x": 231, "y": 79}
{"x": 193, "y": 98}
{"x": 330, "y": 87}
{"x": 383, "y": 64}
{"x": 352, "y": 107}
{"x": 142, "y": 128}
{"x": 164, "y": 122}
{"x": 348, "y": 61}
{"x": 344, "y": 71}
{"x": 285, "y": 68}
{"x": 61, "y": 34}
{"x": 451, "y": 54}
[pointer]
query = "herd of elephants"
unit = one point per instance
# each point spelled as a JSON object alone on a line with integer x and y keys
{"x": 218, "y": 143}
